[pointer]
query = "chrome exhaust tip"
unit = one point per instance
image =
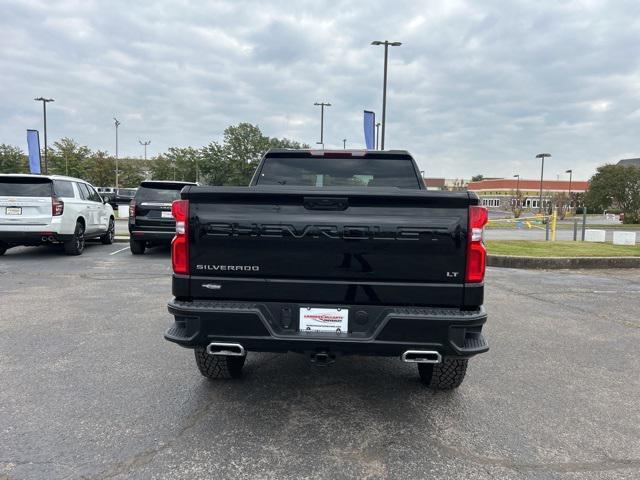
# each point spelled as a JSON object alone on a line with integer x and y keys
{"x": 421, "y": 356}
{"x": 226, "y": 349}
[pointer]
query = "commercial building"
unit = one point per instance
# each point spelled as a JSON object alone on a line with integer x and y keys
{"x": 450, "y": 184}
{"x": 501, "y": 193}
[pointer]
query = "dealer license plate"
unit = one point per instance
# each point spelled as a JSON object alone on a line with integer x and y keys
{"x": 14, "y": 211}
{"x": 166, "y": 215}
{"x": 332, "y": 320}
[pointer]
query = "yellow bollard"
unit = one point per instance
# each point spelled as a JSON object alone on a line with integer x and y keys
{"x": 554, "y": 220}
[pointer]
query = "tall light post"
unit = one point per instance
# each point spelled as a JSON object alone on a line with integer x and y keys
{"x": 44, "y": 112}
{"x": 541, "y": 156}
{"x": 116, "y": 122}
{"x": 344, "y": 143}
{"x": 517, "y": 189}
{"x": 386, "y": 44}
{"x": 321, "y": 105}
{"x": 570, "y": 172}
{"x": 145, "y": 146}
{"x": 377, "y": 135}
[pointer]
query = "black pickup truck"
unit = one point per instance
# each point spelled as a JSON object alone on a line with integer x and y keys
{"x": 330, "y": 253}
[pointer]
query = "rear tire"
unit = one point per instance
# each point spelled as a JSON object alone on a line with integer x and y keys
{"x": 137, "y": 247}
{"x": 445, "y": 375}
{"x": 107, "y": 238}
{"x": 217, "y": 366}
{"x": 75, "y": 246}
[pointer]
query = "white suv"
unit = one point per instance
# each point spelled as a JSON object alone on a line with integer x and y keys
{"x": 41, "y": 209}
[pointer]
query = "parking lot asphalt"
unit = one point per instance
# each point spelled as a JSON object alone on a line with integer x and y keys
{"x": 90, "y": 389}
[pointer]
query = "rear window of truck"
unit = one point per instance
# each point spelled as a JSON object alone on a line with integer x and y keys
{"x": 24, "y": 187}
{"x": 338, "y": 172}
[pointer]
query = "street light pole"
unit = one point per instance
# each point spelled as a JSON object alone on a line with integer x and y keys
{"x": 145, "y": 146}
{"x": 344, "y": 143}
{"x": 116, "y": 122}
{"x": 377, "y": 135}
{"x": 386, "y": 44}
{"x": 321, "y": 105}
{"x": 570, "y": 172}
{"x": 541, "y": 156}
{"x": 44, "y": 112}
{"x": 517, "y": 189}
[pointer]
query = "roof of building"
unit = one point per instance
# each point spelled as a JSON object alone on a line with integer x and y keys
{"x": 630, "y": 162}
{"x": 512, "y": 184}
{"x": 434, "y": 182}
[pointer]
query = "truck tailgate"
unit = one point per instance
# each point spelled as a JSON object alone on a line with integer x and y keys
{"x": 384, "y": 245}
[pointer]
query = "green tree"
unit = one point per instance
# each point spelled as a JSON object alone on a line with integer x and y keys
{"x": 101, "y": 169}
{"x": 477, "y": 178}
{"x": 67, "y": 157}
{"x": 132, "y": 172}
{"x": 244, "y": 146}
{"x": 214, "y": 165}
{"x": 616, "y": 186}
{"x": 184, "y": 161}
{"x": 161, "y": 168}
{"x": 234, "y": 161}
{"x": 12, "y": 160}
{"x": 286, "y": 143}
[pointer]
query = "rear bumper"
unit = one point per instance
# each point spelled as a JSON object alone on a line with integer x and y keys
{"x": 155, "y": 236}
{"x": 273, "y": 327}
{"x": 32, "y": 236}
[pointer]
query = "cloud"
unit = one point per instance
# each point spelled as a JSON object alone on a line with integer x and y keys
{"x": 475, "y": 87}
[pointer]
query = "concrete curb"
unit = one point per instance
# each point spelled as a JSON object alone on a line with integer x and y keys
{"x": 508, "y": 261}
{"x": 121, "y": 239}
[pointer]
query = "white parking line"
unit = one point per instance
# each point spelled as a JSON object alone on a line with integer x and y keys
{"x": 118, "y": 251}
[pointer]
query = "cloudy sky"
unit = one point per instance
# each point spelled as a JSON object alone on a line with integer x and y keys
{"x": 476, "y": 87}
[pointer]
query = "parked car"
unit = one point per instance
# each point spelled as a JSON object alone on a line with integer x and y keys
{"x": 41, "y": 209}
{"x": 119, "y": 196}
{"x": 330, "y": 253}
{"x": 150, "y": 219}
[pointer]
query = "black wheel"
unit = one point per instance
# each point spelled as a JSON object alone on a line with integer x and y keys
{"x": 445, "y": 375}
{"x": 3, "y": 249}
{"x": 218, "y": 366}
{"x": 137, "y": 247}
{"x": 107, "y": 238}
{"x": 75, "y": 246}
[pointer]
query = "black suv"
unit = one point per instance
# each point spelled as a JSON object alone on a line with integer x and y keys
{"x": 150, "y": 219}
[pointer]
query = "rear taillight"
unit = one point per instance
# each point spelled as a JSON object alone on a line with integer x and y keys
{"x": 180, "y": 242}
{"x": 132, "y": 209}
{"x": 57, "y": 206}
{"x": 476, "y": 251}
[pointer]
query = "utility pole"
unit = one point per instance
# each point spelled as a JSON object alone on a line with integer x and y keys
{"x": 377, "y": 135}
{"x": 344, "y": 143}
{"x": 386, "y": 44}
{"x": 570, "y": 172}
{"x": 117, "y": 124}
{"x": 145, "y": 146}
{"x": 517, "y": 189}
{"x": 321, "y": 105}
{"x": 541, "y": 156}
{"x": 44, "y": 111}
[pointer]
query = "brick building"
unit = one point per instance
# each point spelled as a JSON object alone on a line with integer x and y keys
{"x": 499, "y": 193}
